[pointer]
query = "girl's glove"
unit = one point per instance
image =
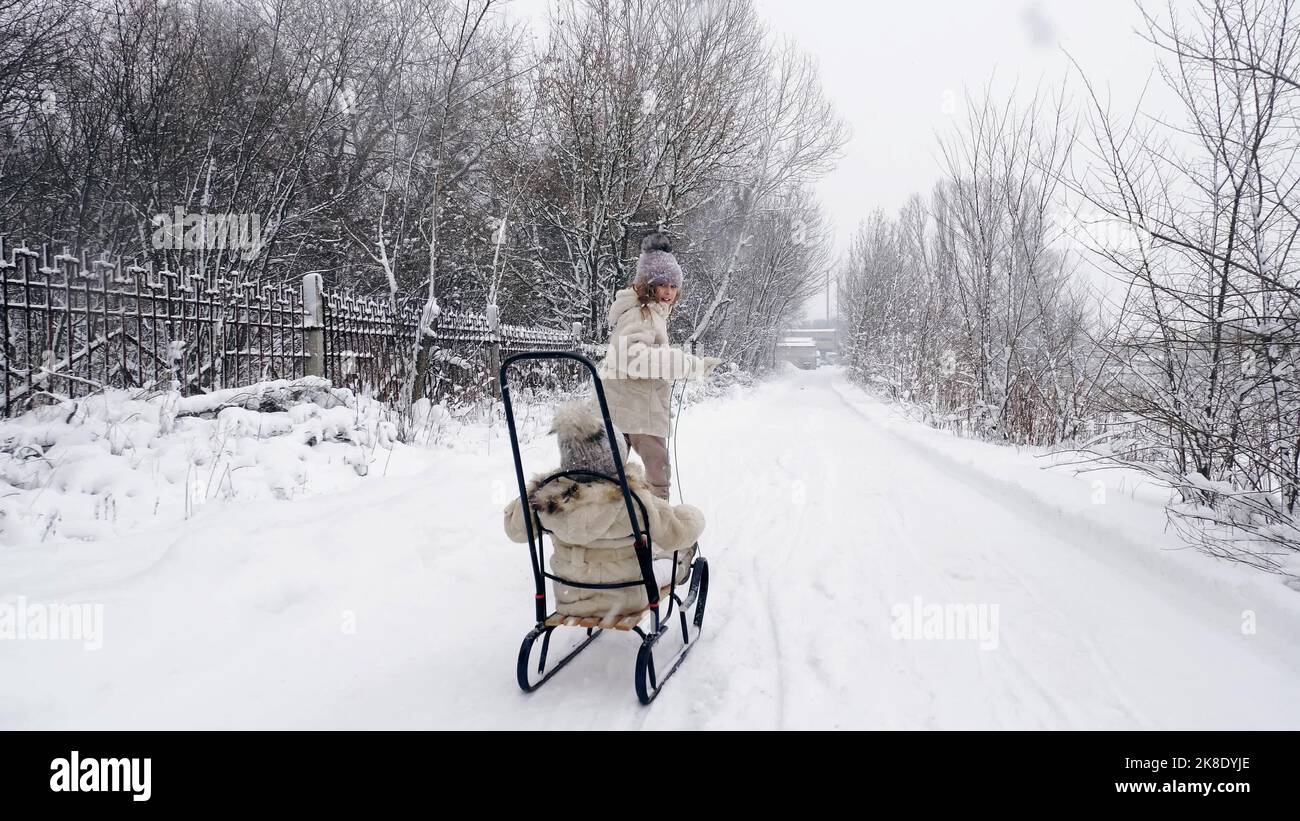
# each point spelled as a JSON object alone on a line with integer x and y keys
{"x": 711, "y": 362}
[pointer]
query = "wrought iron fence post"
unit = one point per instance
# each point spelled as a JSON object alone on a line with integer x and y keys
{"x": 313, "y": 325}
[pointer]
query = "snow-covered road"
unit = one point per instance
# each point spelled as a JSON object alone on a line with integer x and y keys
{"x": 831, "y": 523}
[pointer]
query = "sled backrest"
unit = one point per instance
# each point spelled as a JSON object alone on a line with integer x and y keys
{"x": 640, "y": 527}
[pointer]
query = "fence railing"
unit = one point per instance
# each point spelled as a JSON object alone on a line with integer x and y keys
{"x": 73, "y": 325}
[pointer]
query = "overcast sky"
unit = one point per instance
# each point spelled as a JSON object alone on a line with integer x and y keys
{"x": 899, "y": 72}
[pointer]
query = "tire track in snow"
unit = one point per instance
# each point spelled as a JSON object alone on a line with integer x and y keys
{"x": 735, "y": 540}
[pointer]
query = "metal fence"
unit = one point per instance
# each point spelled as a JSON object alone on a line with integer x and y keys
{"x": 73, "y": 325}
{"x": 366, "y": 345}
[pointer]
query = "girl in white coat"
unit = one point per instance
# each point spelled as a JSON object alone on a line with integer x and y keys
{"x": 640, "y": 365}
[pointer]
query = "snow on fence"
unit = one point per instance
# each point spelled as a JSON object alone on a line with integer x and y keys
{"x": 364, "y": 341}
{"x": 71, "y": 325}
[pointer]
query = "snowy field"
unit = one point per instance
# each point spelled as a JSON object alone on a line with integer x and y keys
{"x": 278, "y": 587}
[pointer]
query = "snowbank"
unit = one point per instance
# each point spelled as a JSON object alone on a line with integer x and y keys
{"x": 111, "y": 464}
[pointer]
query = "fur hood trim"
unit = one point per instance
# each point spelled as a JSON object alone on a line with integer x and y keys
{"x": 565, "y": 494}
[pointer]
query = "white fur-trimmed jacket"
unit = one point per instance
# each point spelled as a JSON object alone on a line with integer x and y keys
{"x": 639, "y": 365}
{"x": 593, "y": 543}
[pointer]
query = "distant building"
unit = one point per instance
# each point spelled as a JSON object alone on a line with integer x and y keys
{"x": 808, "y": 347}
{"x": 800, "y": 351}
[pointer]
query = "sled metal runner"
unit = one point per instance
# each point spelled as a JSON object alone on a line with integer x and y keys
{"x": 651, "y": 625}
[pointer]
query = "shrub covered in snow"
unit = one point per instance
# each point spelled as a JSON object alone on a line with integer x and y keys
{"x": 92, "y": 467}
{"x": 728, "y": 380}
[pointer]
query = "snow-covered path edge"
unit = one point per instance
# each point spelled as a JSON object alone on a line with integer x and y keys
{"x": 1117, "y": 525}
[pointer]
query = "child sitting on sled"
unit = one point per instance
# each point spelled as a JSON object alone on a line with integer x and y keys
{"x": 588, "y": 522}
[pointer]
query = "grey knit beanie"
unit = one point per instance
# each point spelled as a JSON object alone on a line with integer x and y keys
{"x": 657, "y": 265}
{"x": 584, "y": 445}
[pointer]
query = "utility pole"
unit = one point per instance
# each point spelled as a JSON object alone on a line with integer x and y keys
{"x": 828, "y": 295}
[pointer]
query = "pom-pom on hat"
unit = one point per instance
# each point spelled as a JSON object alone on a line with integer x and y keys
{"x": 657, "y": 265}
{"x": 580, "y": 430}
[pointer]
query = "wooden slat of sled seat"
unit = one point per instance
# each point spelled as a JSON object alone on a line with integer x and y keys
{"x": 624, "y": 622}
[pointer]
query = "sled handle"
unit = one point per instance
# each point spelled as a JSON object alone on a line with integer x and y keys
{"x": 642, "y": 537}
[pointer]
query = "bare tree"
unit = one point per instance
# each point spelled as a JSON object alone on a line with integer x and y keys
{"x": 797, "y": 138}
{"x": 1206, "y": 333}
{"x": 968, "y": 306}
